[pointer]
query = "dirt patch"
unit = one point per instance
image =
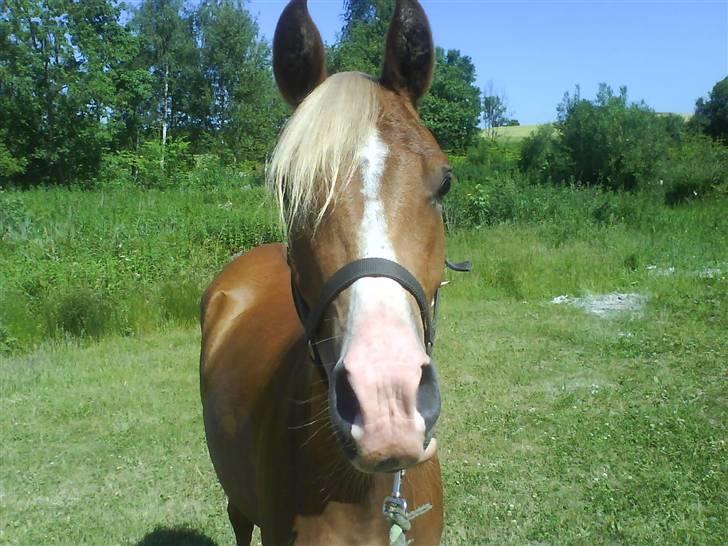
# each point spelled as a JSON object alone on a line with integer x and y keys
{"x": 605, "y": 305}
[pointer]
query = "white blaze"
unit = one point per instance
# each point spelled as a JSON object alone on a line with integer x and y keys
{"x": 374, "y": 241}
{"x": 373, "y": 294}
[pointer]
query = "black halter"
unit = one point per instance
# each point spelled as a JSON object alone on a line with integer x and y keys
{"x": 359, "y": 269}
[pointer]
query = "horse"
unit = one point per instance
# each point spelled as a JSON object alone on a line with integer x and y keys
{"x": 316, "y": 374}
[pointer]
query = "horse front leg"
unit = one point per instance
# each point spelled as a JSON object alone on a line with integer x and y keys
{"x": 242, "y": 526}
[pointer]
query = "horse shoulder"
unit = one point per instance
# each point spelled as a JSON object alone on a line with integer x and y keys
{"x": 249, "y": 325}
{"x": 248, "y": 304}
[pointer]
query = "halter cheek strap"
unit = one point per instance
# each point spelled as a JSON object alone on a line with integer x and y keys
{"x": 359, "y": 269}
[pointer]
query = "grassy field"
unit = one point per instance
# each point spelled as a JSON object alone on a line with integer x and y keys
{"x": 516, "y": 133}
{"x": 119, "y": 259}
{"x": 558, "y": 426}
{"x": 519, "y": 132}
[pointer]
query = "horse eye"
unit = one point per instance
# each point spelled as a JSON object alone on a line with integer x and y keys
{"x": 445, "y": 187}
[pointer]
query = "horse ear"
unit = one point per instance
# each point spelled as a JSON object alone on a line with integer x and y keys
{"x": 298, "y": 53}
{"x": 409, "y": 57}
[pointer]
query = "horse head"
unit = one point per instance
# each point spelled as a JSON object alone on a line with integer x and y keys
{"x": 361, "y": 180}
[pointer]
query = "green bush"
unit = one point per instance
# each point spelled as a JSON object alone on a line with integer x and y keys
{"x": 13, "y": 215}
{"x": 9, "y": 165}
{"x": 711, "y": 115}
{"x": 541, "y": 155}
{"x": 81, "y": 313}
{"x": 8, "y": 343}
{"x": 486, "y": 200}
{"x": 606, "y": 142}
{"x": 152, "y": 166}
{"x": 695, "y": 169}
{"x": 181, "y": 169}
{"x": 209, "y": 170}
{"x": 180, "y": 301}
{"x": 491, "y": 157}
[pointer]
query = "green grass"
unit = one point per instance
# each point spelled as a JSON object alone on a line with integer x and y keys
{"x": 557, "y": 428}
{"x": 119, "y": 259}
{"x": 516, "y": 133}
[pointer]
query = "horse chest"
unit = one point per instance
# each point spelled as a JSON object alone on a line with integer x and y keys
{"x": 342, "y": 524}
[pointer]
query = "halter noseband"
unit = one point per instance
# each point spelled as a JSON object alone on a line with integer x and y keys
{"x": 360, "y": 269}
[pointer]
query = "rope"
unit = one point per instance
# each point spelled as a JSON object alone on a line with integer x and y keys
{"x": 401, "y": 522}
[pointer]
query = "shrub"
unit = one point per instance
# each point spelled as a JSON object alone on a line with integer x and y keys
{"x": 8, "y": 343}
{"x": 488, "y": 200}
{"x": 541, "y": 156}
{"x": 82, "y": 313}
{"x": 180, "y": 301}
{"x": 492, "y": 157}
{"x": 12, "y": 213}
{"x": 606, "y": 142}
{"x": 711, "y": 115}
{"x": 210, "y": 171}
{"x": 137, "y": 257}
{"x": 152, "y": 166}
{"x": 9, "y": 165}
{"x": 695, "y": 169}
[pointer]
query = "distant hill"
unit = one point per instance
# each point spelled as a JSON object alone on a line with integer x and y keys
{"x": 519, "y": 132}
{"x": 516, "y": 133}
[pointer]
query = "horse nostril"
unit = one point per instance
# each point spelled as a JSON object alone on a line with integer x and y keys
{"x": 347, "y": 404}
{"x": 428, "y": 399}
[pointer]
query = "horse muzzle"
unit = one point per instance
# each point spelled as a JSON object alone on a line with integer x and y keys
{"x": 384, "y": 406}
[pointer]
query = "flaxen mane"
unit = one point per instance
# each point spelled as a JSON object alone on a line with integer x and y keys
{"x": 316, "y": 154}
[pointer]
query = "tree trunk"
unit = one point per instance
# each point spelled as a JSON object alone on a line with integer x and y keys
{"x": 165, "y": 115}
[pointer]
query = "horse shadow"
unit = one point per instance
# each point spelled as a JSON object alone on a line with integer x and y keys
{"x": 177, "y": 536}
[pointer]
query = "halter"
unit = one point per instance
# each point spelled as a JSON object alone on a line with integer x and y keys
{"x": 348, "y": 275}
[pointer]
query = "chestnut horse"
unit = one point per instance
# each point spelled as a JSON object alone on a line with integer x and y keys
{"x": 316, "y": 374}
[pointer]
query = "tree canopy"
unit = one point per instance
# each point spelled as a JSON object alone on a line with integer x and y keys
{"x": 85, "y": 84}
{"x": 77, "y": 83}
{"x": 64, "y": 78}
{"x": 711, "y": 115}
{"x": 451, "y": 110}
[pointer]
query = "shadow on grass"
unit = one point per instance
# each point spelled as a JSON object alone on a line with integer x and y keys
{"x": 179, "y": 536}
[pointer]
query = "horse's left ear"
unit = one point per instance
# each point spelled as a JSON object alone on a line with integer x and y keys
{"x": 409, "y": 58}
{"x": 298, "y": 53}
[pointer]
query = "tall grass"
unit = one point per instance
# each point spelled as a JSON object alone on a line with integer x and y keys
{"x": 122, "y": 259}
{"x": 118, "y": 259}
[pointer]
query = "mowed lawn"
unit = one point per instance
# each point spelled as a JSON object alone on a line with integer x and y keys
{"x": 558, "y": 426}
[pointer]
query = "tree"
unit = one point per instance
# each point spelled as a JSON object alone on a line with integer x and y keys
{"x": 244, "y": 112}
{"x": 360, "y": 46}
{"x": 607, "y": 142}
{"x": 168, "y": 52}
{"x": 9, "y": 165}
{"x": 711, "y": 116}
{"x": 61, "y": 64}
{"x": 452, "y": 108}
{"x": 494, "y": 111}
{"x": 366, "y": 11}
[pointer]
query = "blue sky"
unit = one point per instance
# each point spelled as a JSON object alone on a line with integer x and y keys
{"x": 667, "y": 52}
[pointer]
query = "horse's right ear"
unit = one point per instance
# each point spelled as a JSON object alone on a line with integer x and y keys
{"x": 298, "y": 53}
{"x": 409, "y": 58}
